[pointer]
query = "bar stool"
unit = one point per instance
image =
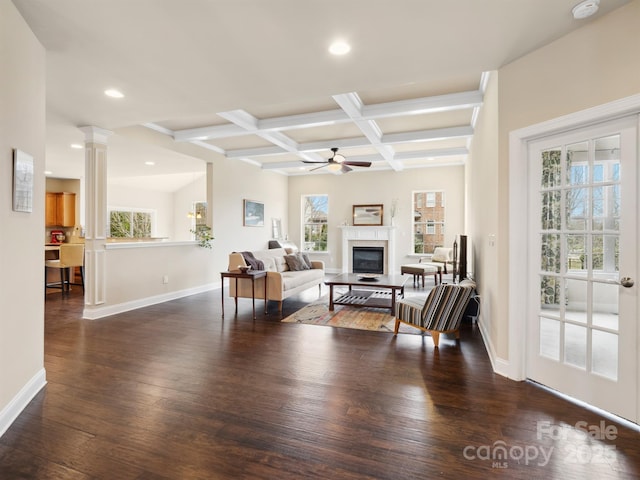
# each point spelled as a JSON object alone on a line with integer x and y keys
{"x": 71, "y": 256}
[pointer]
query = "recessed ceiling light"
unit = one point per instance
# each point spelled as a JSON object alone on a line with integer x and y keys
{"x": 113, "y": 93}
{"x": 149, "y": 163}
{"x": 48, "y": 172}
{"x": 76, "y": 145}
{"x": 339, "y": 47}
{"x": 585, "y": 9}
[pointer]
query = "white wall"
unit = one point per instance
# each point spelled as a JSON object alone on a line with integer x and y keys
{"x": 591, "y": 66}
{"x": 482, "y": 204}
{"x": 232, "y": 182}
{"x": 22, "y": 126}
{"x": 357, "y": 188}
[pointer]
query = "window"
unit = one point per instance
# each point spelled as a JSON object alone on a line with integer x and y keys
{"x": 315, "y": 212}
{"x": 428, "y": 221}
{"x": 199, "y": 218}
{"x": 130, "y": 223}
{"x": 431, "y": 199}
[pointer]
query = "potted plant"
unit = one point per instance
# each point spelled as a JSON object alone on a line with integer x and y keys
{"x": 203, "y": 236}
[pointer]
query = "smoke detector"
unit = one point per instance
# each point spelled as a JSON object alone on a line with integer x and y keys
{"x": 585, "y": 9}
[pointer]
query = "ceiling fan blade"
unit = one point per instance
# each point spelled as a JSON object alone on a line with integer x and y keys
{"x": 345, "y": 169}
{"x": 321, "y": 166}
{"x": 357, "y": 164}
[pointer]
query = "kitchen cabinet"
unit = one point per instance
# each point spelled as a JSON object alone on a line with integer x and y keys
{"x": 60, "y": 210}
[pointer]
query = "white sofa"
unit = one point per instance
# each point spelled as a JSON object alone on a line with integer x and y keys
{"x": 281, "y": 281}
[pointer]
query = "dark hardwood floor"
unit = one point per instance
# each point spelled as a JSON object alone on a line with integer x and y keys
{"x": 173, "y": 391}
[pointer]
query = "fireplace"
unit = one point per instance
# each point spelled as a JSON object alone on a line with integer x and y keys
{"x": 368, "y": 236}
{"x": 368, "y": 260}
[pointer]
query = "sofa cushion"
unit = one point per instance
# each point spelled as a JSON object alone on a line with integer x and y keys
{"x": 296, "y": 263}
{"x": 281, "y": 264}
{"x": 273, "y": 259}
{"x": 291, "y": 280}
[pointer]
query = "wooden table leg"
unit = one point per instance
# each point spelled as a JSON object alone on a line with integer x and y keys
{"x": 331, "y": 298}
{"x": 265, "y": 294}
{"x": 222, "y": 291}
{"x": 253, "y": 295}
{"x": 236, "y": 296}
{"x": 393, "y": 300}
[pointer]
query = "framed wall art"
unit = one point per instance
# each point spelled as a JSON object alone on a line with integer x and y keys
{"x": 367, "y": 215}
{"x": 22, "y": 181}
{"x": 253, "y": 213}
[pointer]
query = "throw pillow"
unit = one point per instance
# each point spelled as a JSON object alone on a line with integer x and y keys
{"x": 296, "y": 262}
{"x": 281, "y": 264}
{"x": 307, "y": 260}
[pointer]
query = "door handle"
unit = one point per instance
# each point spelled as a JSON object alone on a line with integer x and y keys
{"x": 626, "y": 282}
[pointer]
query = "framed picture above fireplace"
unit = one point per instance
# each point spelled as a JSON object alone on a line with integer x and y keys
{"x": 367, "y": 215}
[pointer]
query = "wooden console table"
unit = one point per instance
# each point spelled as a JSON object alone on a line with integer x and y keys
{"x": 250, "y": 275}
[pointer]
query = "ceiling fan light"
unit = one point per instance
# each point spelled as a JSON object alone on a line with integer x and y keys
{"x": 338, "y": 158}
{"x": 334, "y": 167}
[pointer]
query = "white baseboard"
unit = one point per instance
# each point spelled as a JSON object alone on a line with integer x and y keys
{"x": 94, "y": 313}
{"x": 21, "y": 400}
{"x": 499, "y": 365}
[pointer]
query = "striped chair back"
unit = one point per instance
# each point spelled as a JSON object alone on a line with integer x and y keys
{"x": 445, "y": 307}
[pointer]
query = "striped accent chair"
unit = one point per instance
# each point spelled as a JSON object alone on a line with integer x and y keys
{"x": 441, "y": 312}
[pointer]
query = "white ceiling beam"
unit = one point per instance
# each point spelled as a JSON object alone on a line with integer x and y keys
{"x": 416, "y": 106}
{"x": 246, "y": 120}
{"x": 208, "y": 133}
{"x": 438, "y": 103}
{"x": 208, "y": 146}
{"x": 304, "y": 120}
{"x": 353, "y": 106}
{"x": 242, "y": 119}
{"x": 427, "y": 135}
{"x": 256, "y": 152}
{"x": 326, "y": 145}
{"x": 358, "y": 142}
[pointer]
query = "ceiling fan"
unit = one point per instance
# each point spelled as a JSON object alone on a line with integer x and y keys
{"x": 338, "y": 162}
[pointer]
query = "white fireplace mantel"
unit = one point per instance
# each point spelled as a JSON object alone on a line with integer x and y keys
{"x": 352, "y": 235}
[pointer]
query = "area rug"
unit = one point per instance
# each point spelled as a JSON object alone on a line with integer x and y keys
{"x": 372, "y": 319}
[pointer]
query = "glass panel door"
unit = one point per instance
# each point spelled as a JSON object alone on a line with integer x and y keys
{"x": 579, "y": 327}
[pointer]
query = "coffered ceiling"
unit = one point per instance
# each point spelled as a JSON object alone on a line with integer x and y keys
{"x": 252, "y": 80}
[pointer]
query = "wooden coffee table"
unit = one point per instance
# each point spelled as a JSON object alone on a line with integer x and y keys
{"x": 382, "y": 291}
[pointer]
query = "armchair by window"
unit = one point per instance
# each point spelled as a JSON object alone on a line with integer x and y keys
{"x": 441, "y": 312}
{"x": 442, "y": 256}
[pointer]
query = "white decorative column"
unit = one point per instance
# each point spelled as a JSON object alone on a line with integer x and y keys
{"x": 365, "y": 235}
{"x": 96, "y": 215}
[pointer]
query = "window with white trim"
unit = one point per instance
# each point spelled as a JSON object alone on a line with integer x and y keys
{"x": 131, "y": 223}
{"x": 314, "y": 221}
{"x": 428, "y": 221}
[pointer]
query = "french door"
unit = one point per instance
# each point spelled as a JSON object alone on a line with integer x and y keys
{"x": 582, "y": 323}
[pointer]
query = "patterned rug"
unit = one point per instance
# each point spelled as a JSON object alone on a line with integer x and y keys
{"x": 373, "y": 319}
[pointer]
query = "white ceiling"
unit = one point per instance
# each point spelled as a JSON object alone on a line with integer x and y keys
{"x": 252, "y": 80}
